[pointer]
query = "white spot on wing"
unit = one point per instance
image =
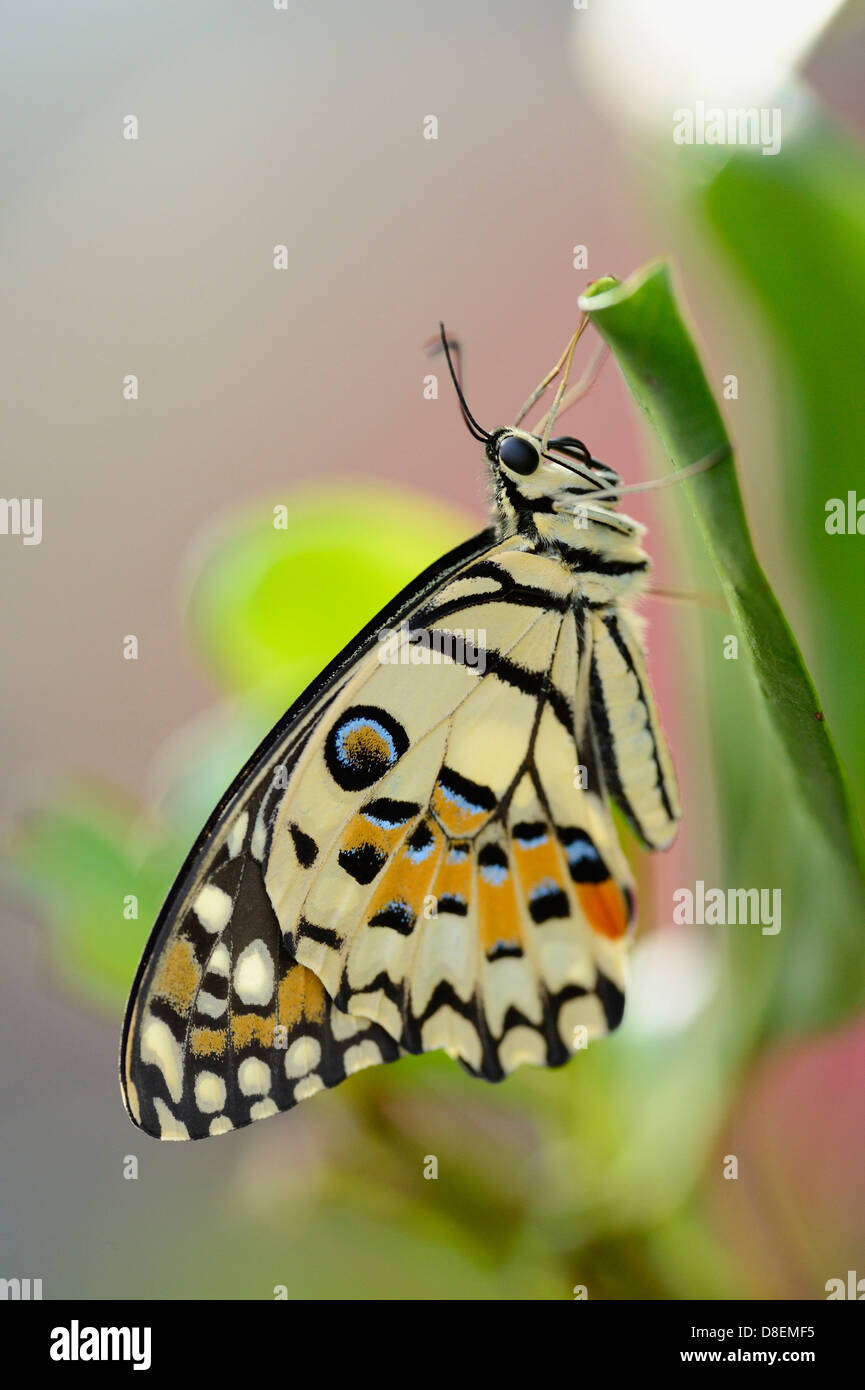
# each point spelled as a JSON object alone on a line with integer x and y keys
{"x": 308, "y": 1087}
{"x": 213, "y": 908}
{"x": 344, "y": 1027}
{"x": 209, "y": 1092}
{"x": 522, "y": 1045}
{"x": 259, "y": 836}
{"x": 363, "y": 1054}
{"x": 158, "y": 1045}
{"x": 253, "y": 1077}
{"x": 585, "y": 1012}
{"x": 454, "y": 1034}
{"x": 303, "y": 1056}
{"x": 234, "y": 843}
{"x": 262, "y": 1109}
{"x": 220, "y": 960}
{"x": 377, "y": 1007}
{"x": 169, "y": 1125}
{"x": 253, "y": 974}
{"x": 209, "y": 1004}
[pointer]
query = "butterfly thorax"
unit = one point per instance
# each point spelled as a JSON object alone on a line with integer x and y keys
{"x": 600, "y": 546}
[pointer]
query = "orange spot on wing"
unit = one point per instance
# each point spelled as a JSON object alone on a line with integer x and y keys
{"x": 454, "y": 877}
{"x": 409, "y": 874}
{"x": 361, "y": 832}
{"x": 252, "y": 1028}
{"x": 605, "y": 907}
{"x": 208, "y": 1042}
{"x": 456, "y": 819}
{"x": 536, "y": 864}
{"x": 179, "y": 976}
{"x": 498, "y": 913}
{"x": 301, "y": 995}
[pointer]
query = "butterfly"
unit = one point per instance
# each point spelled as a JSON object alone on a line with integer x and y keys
{"x": 421, "y": 855}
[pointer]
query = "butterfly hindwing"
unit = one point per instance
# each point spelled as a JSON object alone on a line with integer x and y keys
{"x": 639, "y": 771}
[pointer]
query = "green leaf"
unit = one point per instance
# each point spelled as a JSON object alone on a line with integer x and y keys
{"x": 641, "y": 322}
{"x": 271, "y": 605}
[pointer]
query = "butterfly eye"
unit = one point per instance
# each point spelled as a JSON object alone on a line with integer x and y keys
{"x": 518, "y": 454}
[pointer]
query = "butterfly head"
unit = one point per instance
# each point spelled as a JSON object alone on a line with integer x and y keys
{"x": 540, "y": 489}
{"x": 562, "y": 471}
{"x": 531, "y": 472}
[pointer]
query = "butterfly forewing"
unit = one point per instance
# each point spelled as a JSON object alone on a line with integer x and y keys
{"x": 207, "y": 1045}
{"x": 228, "y": 1028}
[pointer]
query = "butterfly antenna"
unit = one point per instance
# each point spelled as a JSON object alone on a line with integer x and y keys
{"x": 564, "y": 361}
{"x": 443, "y": 343}
{"x": 549, "y": 418}
{"x": 586, "y": 382}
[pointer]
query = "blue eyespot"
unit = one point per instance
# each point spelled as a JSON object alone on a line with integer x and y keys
{"x": 362, "y": 746}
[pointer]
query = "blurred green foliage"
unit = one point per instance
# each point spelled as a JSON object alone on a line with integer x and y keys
{"x": 606, "y": 1173}
{"x": 795, "y": 231}
{"x": 278, "y": 594}
{"x": 641, "y": 322}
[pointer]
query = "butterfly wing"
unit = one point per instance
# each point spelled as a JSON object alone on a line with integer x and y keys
{"x": 425, "y": 836}
{"x": 227, "y": 1027}
{"x": 637, "y": 766}
{"x": 461, "y": 884}
{"x": 202, "y": 1052}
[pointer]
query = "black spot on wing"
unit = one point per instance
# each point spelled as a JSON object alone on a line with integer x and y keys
{"x": 503, "y": 950}
{"x": 476, "y": 796}
{"x": 304, "y": 847}
{"x": 387, "y": 813}
{"x": 548, "y": 902}
{"x": 612, "y": 1000}
{"x": 397, "y": 915}
{"x": 363, "y": 862}
{"x": 530, "y": 833}
{"x": 420, "y": 839}
{"x": 454, "y": 904}
{"x": 324, "y": 935}
{"x": 584, "y": 862}
{"x": 492, "y": 856}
